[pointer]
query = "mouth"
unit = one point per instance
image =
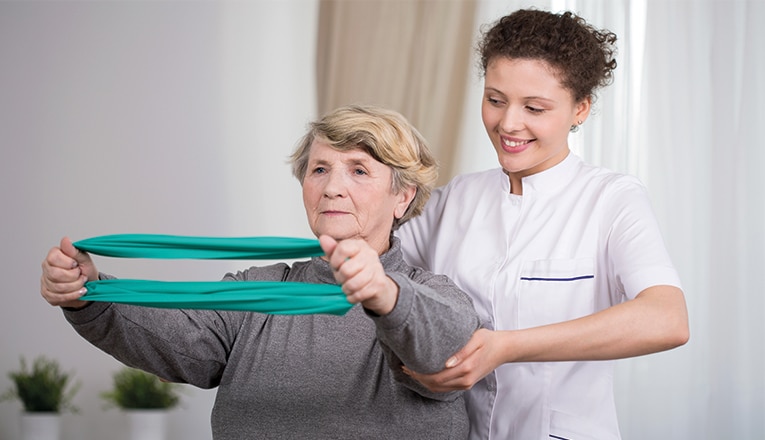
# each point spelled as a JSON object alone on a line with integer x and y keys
{"x": 515, "y": 143}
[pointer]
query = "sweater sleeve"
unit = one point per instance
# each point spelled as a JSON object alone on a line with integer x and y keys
{"x": 179, "y": 345}
{"x": 432, "y": 320}
{"x": 187, "y": 346}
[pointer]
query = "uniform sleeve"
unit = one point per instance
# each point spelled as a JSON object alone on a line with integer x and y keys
{"x": 636, "y": 249}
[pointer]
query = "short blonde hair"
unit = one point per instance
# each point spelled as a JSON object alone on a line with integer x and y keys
{"x": 388, "y": 137}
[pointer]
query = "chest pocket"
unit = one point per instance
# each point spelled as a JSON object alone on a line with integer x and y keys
{"x": 553, "y": 291}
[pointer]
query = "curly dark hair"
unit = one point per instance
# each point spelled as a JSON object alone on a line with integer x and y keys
{"x": 582, "y": 55}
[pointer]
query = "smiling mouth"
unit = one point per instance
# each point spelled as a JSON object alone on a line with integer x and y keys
{"x": 514, "y": 144}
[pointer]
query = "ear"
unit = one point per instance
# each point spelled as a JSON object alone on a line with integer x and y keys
{"x": 405, "y": 197}
{"x": 582, "y": 110}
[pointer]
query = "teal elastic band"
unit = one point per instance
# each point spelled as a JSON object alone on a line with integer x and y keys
{"x": 272, "y": 297}
{"x": 204, "y": 248}
{"x": 281, "y": 298}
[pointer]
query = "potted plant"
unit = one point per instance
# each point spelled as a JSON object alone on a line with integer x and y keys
{"x": 145, "y": 399}
{"x": 45, "y": 391}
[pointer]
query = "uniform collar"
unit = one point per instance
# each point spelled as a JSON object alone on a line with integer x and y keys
{"x": 552, "y": 179}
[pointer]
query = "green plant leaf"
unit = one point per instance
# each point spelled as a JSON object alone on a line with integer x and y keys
{"x": 136, "y": 389}
{"x": 43, "y": 388}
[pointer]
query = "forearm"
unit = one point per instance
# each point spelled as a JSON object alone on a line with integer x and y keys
{"x": 427, "y": 325}
{"x": 654, "y": 321}
{"x": 167, "y": 343}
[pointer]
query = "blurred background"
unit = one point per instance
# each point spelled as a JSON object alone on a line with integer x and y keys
{"x": 177, "y": 117}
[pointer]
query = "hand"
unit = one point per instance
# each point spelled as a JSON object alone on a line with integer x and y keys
{"x": 479, "y": 357}
{"x": 64, "y": 273}
{"x": 357, "y": 268}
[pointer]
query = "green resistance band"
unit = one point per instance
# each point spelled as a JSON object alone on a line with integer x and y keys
{"x": 205, "y": 248}
{"x": 279, "y": 298}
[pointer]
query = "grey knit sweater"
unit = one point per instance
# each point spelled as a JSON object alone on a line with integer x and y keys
{"x": 305, "y": 376}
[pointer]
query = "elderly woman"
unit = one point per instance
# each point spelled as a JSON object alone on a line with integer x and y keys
{"x": 364, "y": 171}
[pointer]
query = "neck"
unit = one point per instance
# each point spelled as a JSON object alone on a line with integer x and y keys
{"x": 516, "y": 183}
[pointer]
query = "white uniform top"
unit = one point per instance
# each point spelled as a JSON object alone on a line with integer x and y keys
{"x": 580, "y": 239}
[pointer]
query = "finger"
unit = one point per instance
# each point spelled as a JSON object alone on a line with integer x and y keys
{"x": 68, "y": 249}
{"x": 344, "y": 251}
{"x": 66, "y": 282}
{"x": 328, "y": 245}
{"x": 473, "y": 345}
{"x": 439, "y": 382}
{"x": 58, "y": 269}
{"x": 65, "y": 296}
{"x": 362, "y": 286}
{"x": 57, "y": 259}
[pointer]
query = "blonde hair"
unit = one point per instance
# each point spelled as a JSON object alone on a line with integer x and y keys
{"x": 388, "y": 137}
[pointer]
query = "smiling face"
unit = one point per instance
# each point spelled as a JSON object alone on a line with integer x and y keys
{"x": 348, "y": 194}
{"x": 528, "y": 115}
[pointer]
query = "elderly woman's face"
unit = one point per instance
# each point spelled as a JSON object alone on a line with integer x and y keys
{"x": 347, "y": 194}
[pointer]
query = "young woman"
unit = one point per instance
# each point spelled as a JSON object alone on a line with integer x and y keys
{"x": 564, "y": 260}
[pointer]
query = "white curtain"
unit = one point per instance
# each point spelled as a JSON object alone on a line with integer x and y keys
{"x": 682, "y": 115}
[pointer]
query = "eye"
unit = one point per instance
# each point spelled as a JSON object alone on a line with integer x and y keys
{"x": 319, "y": 170}
{"x": 359, "y": 172}
{"x": 536, "y": 110}
{"x": 494, "y": 101}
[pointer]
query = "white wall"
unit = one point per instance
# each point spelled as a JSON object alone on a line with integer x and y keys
{"x": 150, "y": 117}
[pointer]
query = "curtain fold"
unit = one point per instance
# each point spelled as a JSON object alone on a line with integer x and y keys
{"x": 410, "y": 56}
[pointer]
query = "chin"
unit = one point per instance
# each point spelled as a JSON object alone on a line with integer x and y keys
{"x": 334, "y": 233}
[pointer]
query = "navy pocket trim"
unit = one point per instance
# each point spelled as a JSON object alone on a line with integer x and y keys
{"x": 583, "y": 277}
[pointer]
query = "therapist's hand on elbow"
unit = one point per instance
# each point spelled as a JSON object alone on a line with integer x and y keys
{"x": 64, "y": 273}
{"x": 479, "y": 357}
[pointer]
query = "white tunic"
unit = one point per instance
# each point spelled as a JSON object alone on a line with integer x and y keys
{"x": 580, "y": 239}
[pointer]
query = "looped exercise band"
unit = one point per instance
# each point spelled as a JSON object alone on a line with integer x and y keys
{"x": 273, "y": 297}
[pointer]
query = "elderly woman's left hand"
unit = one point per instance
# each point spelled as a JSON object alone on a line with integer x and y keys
{"x": 357, "y": 268}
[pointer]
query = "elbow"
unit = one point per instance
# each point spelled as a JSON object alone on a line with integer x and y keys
{"x": 681, "y": 336}
{"x": 677, "y": 338}
{"x": 676, "y": 335}
{"x": 681, "y": 333}
{"x": 670, "y": 316}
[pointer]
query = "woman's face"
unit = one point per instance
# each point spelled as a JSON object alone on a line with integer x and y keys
{"x": 528, "y": 115}
{"x": 348, "y": 194}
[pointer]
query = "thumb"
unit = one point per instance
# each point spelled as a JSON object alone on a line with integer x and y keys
{"x": 328, "y": 244}
{"x": 70, "y": 251}
{"x": 471, "y": 347}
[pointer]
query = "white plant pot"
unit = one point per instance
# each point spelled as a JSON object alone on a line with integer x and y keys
{"x": 40, "y": 426}
{"x": 147, "y": 424}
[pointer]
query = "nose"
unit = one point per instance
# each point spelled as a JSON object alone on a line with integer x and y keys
{"x": 335, "y": 185}
{"x": 511, "y": 120}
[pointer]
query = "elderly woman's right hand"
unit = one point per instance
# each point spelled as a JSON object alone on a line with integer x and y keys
{"x": 358, "y": 269}
{"x": 64, "y": 273}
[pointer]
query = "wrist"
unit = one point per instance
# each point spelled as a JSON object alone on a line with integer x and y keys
{"x": 73, "y": 306}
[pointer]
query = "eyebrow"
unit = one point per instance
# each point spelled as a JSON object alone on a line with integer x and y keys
{"x": 526, "y": 98}
{"x": 364, "y": 160}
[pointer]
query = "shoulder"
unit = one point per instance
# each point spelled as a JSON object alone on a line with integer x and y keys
{"x": 466, "y": 188}
{"x": 608, "y": 183}
{"x": 393, "y": 261}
